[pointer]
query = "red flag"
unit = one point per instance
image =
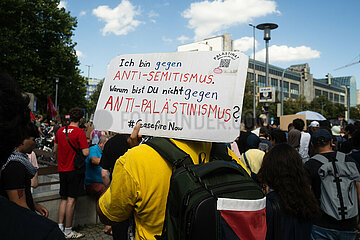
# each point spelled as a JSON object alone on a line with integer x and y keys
{"x": 50, "y": 108}
{"x": 32, "y": 116}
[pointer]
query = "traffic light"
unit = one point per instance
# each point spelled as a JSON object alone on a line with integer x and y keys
{"x": 328, "y": 78}
{"x": 304, "y": 74}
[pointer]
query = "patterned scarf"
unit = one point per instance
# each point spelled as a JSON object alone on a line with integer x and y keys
{"x": 24, "y": 160}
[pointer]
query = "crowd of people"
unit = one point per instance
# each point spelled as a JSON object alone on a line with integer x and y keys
{"x": 310, "y": 176}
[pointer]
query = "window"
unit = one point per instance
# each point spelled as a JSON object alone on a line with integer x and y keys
{"x": 274, "y": 83}
{"x": 250, "y": 76}
{"x": 331, "y": 96}
{"x": 336, "y": 98}
{"x": 286, "y": 89}
{"x": 325, "y": 93}
{"x": 342, "y": 99}
{"x": 317, "y": 93}
{"x": 262, "y": 81}
{"x": 294, "y": 90}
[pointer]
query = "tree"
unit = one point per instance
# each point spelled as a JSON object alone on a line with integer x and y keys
{"x": 95, "y": 97}
{"x": 36, "y": 46}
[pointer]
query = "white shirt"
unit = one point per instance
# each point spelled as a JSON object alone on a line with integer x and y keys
{"x": 304, "y": 146}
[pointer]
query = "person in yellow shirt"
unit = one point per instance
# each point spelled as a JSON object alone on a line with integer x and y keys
{"x": 140, "y": 185}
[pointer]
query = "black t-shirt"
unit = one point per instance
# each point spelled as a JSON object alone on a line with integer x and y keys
{"x": 16, "y": 177}
{"x": 283, "y": 226}
{"x": 311, "y": 167}
{"x": 242, "y": 144}
{"x": 20, "y": 223}
{"x": 114, "y": 148}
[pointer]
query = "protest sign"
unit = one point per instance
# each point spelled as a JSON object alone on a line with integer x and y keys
{"x": 285, "y": 120}
{"x": 183, "y": 95}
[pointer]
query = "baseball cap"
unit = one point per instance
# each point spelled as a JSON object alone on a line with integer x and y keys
{"x": 335, "y": 130}
{"x": 314, "y": 124}
{"x": 321, "y": 136}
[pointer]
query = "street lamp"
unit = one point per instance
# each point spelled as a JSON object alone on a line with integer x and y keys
{"x": 254, "y": 78}
{"x": 282, "y": 91}
{"x": 267, "y": 27}
{"x": 56, "y": 92}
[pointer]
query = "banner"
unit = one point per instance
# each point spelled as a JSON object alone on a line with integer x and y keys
{"x": 183, "y": 95}
{"x": 50, "y": 108}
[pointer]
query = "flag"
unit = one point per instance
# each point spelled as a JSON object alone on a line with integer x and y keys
{"x": 50, "y": 108}
{"x": 242, "y": 219}
{"x": 32, "y": 117}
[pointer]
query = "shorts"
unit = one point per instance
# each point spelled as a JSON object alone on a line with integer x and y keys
{"x": 95, "y": 189}
{"x": 71, "y": 184}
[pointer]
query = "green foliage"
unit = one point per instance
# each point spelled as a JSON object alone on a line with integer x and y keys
{"x": 36, "y": 46}
{"x": 247, "y": 108}
{"x": 355, "y": 112}
{"x": 95, "y": 97}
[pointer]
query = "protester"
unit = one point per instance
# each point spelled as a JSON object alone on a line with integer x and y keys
{"x": 299, "y": 124}
{"x": 338, "y": 140}
{"x": 93, "y": 181}
{"x": 140, "y": 187}
{"x": 33, "y": 160}
{"x": 290, "y": 204}
{"x": 71, "y": 183}
{"x": 355, "y": 152}
{"x": 327, "y": 226}
{"x": 277, "y": 136}
{"x": 346, "y": 145}
{"x": 242, "y": 140}
{"x": 264, "y": 136}
{"x": 17, "y": 222}
{"x": 314, "y": 125}
{"x": 17, "y": 172}
{"x": 114, "y": 148}
{"x": 294, "y": 137}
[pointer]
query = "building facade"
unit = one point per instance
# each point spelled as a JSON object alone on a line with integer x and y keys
{"x": 91, "y": 87}
{"x": 298, "y": 79}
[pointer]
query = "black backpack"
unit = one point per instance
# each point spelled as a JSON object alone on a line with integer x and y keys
{"x": 214, "y": 200}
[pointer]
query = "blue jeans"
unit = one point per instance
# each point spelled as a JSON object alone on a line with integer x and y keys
{"x": 320, "y": 233}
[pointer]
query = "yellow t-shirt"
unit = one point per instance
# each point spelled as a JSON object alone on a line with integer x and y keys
{"x": 140, "y": 185}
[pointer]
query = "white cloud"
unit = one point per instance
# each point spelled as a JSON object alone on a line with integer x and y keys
{"x": 80, "y": 54}
{"x": 153, "y": 14}
{"x": 62, "y": 4}
{"x": 208, "y": 18}
{"x": 120, "y": 20}
{"x": 167, "y": 40}
{"x": 82, "y": 13}
{"x": 287, "y": 54}
{"x": 183, "y": 38}
{"x": 244, "y": 44}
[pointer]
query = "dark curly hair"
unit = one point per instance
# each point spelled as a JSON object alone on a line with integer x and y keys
{"x": 299, "y": 124}
{"x": 14, "y": 116}
{"x": 282, "y": 170}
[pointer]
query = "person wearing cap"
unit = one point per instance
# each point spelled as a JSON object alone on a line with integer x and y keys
{"x": 325, "y": 226}
{"x": 314, "y": 125}
{"x": 338, "y": 139}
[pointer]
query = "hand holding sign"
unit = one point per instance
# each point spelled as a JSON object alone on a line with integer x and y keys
{"x": 184, "y": 95}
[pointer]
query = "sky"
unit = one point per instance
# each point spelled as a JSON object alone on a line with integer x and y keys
{"x": 323, "y": 33}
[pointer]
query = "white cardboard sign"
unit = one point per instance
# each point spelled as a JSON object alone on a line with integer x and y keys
{"x": 183, "y": 95}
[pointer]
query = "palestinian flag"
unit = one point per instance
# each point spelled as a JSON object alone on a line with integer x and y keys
{"x": 242, "y": 219}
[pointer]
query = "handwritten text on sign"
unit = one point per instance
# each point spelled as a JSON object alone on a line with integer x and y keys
{"x": 184, "y": 95}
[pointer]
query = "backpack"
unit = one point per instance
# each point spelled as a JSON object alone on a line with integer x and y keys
{"x": 338, "y": 197}
{"x": 214, "y": 200}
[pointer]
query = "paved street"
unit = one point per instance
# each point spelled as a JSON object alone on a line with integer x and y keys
{"x": 94, "y": 232}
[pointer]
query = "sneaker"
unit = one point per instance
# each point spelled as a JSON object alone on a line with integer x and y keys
{"x": 74, "y": 235}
